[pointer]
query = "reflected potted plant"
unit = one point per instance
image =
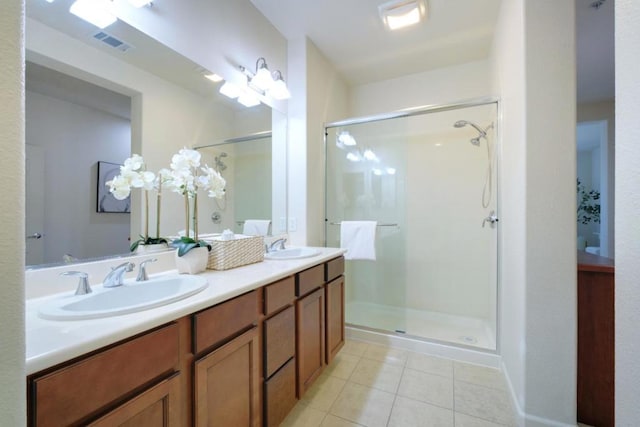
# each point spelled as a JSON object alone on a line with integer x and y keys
{"x": 588, "y": 205}
{"x": 187, "y": 177}
{"x": 133, "y": 174}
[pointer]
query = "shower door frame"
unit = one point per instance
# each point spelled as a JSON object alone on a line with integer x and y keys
{"x": 417, "y": 111}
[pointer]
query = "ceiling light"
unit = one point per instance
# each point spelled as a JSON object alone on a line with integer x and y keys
{"x": 248, "y": 99}
{"x": 49, "y": 1}
{"x": 345, "y": 138}
{"x": 139, "y": 3}
{"x": 230, "y": 90}
{"x": 279, "y": 88}
{"x": 96, "y": 12}
{"x": 213, "y": 77}
{"x": 262, "y": 79}
{"x": 402, "y": 13}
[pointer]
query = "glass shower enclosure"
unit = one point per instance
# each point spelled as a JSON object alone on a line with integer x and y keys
{"x": 428, "y": 177}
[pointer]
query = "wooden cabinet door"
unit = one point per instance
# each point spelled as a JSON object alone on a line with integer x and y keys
{"x": 310, "y": 339}
{"x": 227, "y": 384}
{"x": 335, "y": 317}
{"x": 157, "y": 407}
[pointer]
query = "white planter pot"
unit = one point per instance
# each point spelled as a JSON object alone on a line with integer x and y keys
{"x": 193, "y": 262}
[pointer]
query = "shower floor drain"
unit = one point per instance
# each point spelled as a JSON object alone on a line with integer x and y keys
{"x": 468, "y": 339}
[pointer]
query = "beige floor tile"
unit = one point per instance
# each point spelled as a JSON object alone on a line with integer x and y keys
{"x": 303, "y": 416}
{"x": 363, "y": 405}
{"x": 430, "y": 364}
{"x": 411, "y": 413}
{"x": 342, "y": 366}
{"x": 356, "y": 348}
{"x": 333, "y": 421}
{"x": 464, "y": 420}
{"x": 482, "y": 402}
{"x": 480, "y": 375}
{"x": 324, "y": 392}
{"x": 428, "y": 388}
{"x": 382, "y": 376}
{"x": 386, "y": 354}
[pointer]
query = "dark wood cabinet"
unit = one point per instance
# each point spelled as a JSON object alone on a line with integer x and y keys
{"x": 227, "y": 384}
{"x": 310, "y": 339}
{"x": 596, "y": 340}
{"x": 159, "y": 406}
{"x": 334, "y": 312}
{"x": 243, "y": 362}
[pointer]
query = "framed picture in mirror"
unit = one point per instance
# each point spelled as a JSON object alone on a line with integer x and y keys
{"x": 106, "y": 202}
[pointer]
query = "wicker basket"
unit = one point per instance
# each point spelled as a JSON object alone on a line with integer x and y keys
{"x": 227, "y": 254}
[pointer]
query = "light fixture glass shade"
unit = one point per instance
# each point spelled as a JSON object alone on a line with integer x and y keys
{"x": 139, "y": 3}
{"x": 353, "y": 157}
{"x": 377, "y": 171}
{"x": 263, "y": 79}
{"x": 279, "y": 90}
{"x": 345, "y": 138}
{"x": 391, "y": 171}
{"x": 248, "y": 99}
{"x": 230, "y": 90}
{"x": 402, "y": 13}
{"x": 96, "y": 12}
{"x": 370, "y": 155}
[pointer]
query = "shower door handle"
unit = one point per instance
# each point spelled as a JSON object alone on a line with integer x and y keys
{"x": 491, "y": 219}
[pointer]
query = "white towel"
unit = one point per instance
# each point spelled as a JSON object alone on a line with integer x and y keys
{"x": 256, "y": 227}
{"x": 359, "y": 239}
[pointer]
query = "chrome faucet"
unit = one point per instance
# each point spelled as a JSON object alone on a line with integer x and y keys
{"x": 116, "y": 275}
{"x": 142, "y": 270}
{"x": 83, "y": 284}
{"x": 276, "y": 245}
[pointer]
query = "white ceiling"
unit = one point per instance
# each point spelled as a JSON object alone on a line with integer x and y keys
{"x": 351, "y": 35}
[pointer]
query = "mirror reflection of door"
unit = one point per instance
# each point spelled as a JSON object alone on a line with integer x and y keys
{"x": 34, "y": 226}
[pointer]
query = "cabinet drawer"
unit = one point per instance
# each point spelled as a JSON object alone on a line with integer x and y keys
{"x": 308, "y": 280}
{"x": 76, "y": 392}
{"x": 280, "y": 394}
{"x": 216, "y": 324}
{"x": 333, "y": 269}
{"x": 279, "y": 340}
{"x": 278, "y": 295}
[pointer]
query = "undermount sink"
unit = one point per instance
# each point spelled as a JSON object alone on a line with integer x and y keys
{"x": 128, "y": 298}
{"x": 292, "y": 253}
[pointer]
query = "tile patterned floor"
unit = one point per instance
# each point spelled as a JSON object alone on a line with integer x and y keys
{"x": 375, "y": 386}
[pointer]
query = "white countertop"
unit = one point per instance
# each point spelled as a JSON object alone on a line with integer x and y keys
{"x": 51, "y": 342}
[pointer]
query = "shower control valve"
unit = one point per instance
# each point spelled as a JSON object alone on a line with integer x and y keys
{"x": 491, "y": 219}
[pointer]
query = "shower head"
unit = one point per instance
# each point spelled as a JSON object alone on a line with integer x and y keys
{"x": 462, "y": 123}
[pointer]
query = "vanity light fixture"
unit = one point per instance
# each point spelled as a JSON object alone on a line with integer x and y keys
{"x": 353, "y": 157}
{"x": 230, "y": 90}
{"x": 248, "y": 99}
{"x": 398, "y": 14}
{"x": 262, "y": 79}
{"x": 96, "y": 12}
{"x": 377, "y": 171}
{"x": 391, "y": 171}
{"x": 279, "y": 88}
{"x": 370, "y": 155}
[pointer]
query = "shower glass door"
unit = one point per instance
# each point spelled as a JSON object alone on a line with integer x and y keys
{"x": 431, "y": 187}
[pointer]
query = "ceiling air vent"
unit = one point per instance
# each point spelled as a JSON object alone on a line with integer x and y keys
{"x": 112, "y": 41}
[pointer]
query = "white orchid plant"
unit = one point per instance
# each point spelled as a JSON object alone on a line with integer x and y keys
{"x": 133, "y": 174}
{"x": 186, "y": 177}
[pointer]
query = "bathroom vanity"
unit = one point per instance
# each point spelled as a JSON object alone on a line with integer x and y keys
{"x": 241, "y": 352}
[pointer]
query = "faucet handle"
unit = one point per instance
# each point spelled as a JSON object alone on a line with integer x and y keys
{"x": 83, "y": 283}
{"x": 142, "y": 270}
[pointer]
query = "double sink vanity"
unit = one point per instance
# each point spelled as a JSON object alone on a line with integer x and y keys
{"x": 229, "y": 348}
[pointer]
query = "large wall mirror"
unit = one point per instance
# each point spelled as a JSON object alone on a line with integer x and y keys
{"x": 94, "y": 99}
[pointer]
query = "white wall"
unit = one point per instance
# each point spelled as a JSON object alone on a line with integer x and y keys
{"x": 319, "y": 96}
{"x": 535, "y": 76}
{"x": 595, "y": 111}
{"x": 164, "y": 119}
{"x": 433, "y": 87}
{"x": 12, "y": 242}
{"x": 627, "y": 199}
{"x": 74, "y": 138}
